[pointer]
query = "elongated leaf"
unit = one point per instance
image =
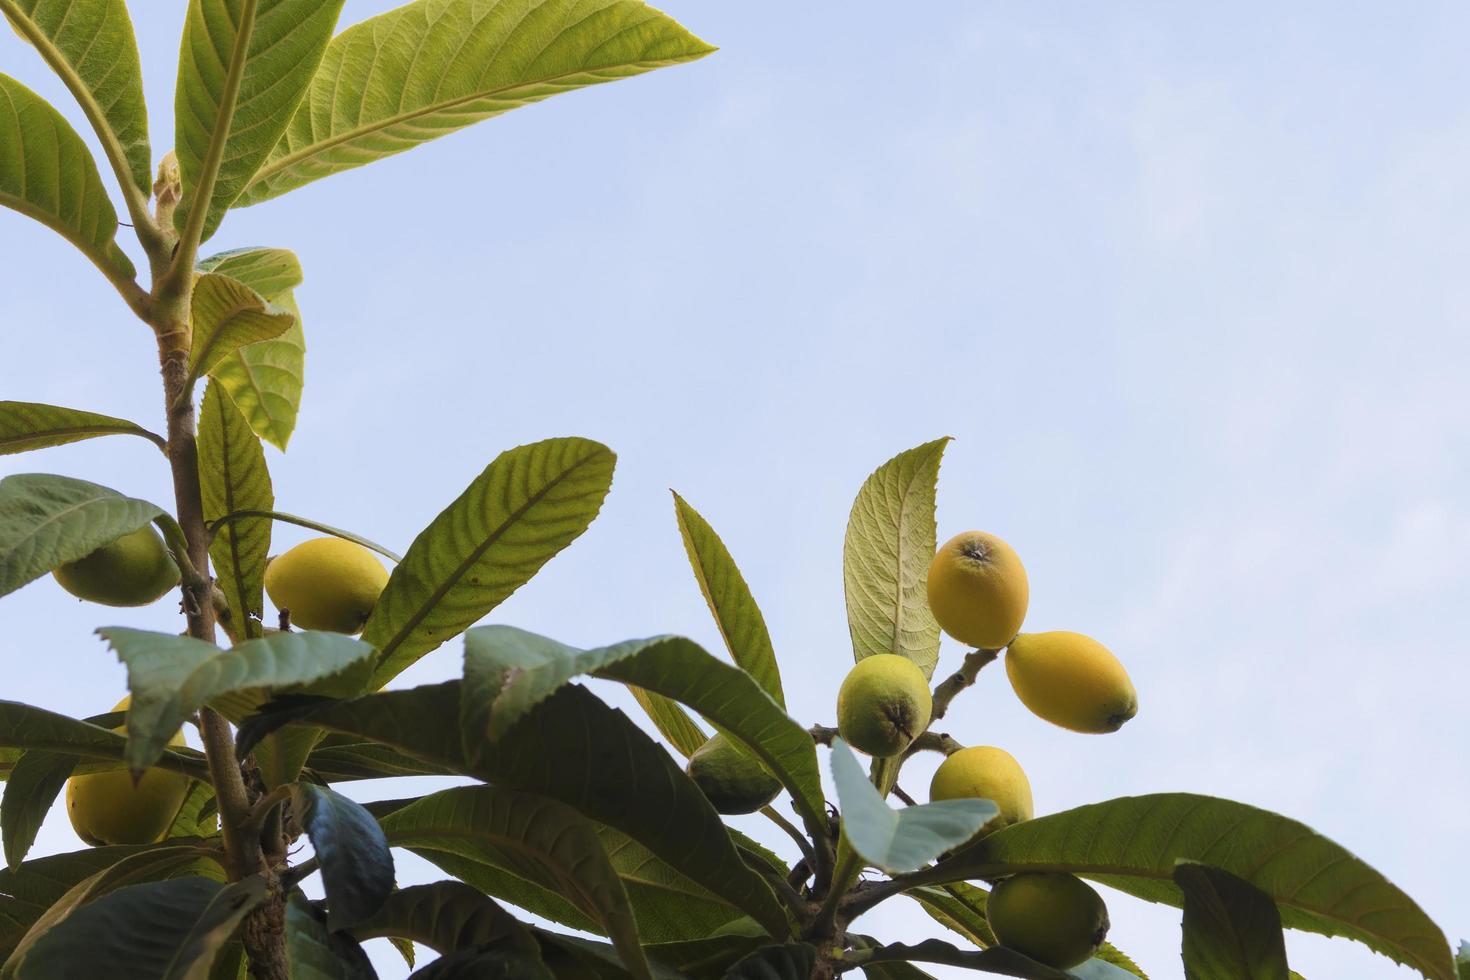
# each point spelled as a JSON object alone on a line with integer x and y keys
{"x": 243, "y": 69}
{"x": 886, "y": 555}
{"x": 1133, "y": 844}
{"x": 233, "y": 477}
{"x": 672, "y": 666}
{"x": 739, "y": 618}
{"x": 357, "y": 866}
{"x": 171, "y": 677}
{"x": 431, "y": 67}
{"x": 793, "y": 961}
{"x": 482, "y": 963}
{"x": 91, "y": 47}
{"x": 26, "y": 727}
{"x": 47, "y": 173}
{"x": 228, "y": 315}
{"x": 199, "y": 816}
{"x": 1232, "y": 930}
{"x": 46, "y": 521}
{"x": 494, "y": 879}
{"x": 29, "y": 794}
{"x": 316, "y": 954}
{"x": 265, "y": 378}
{"x": 344, "y": 760}
{"x": 571, "y": 748}
{"x": 163, "y": 929}
{"x": 996, "y": 959}
{"x": 672, "y": 722}
{"x": 906, "y": 839}
{"x": 446, "y": 916}
{"x": 557, "y": 849}
{"x": 46, "y": 891}
{"x": 526, "y": 506}
{"x": 29, "y": 425}
{"x": 959, "y": 907}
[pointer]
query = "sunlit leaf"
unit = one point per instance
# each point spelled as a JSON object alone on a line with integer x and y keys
{"x": 1232, "y": 930}
{"x": 233, "y": 477}
{"x": 29, "y": 425}
{"x": 227, "y": 315}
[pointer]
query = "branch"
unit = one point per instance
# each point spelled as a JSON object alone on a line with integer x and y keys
{"x": 791, "y": 830}
{"x": 946, "y": 690}
{"x": 933, "y": 742}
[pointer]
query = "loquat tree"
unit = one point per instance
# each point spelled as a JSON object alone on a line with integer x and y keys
{"x": 579, "y": 816}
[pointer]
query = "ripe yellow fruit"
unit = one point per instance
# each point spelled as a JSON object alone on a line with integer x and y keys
{"x": 987, "y": 773}
{"x": 978, "y": 590}
{"x": 732, "y": 780}
{"x": 1071, "y": 680}
{"x": 106, "y": 808}
{"x": 883, "y": 705}
{"x": 326, "y": 584}
{"x": 134, "y": 570}
{"x": 1052, "y": 917}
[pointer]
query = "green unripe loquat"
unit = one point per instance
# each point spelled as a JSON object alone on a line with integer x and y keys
{"x": 134, "y": 570}
{"x": 732, "y": 780}
{"x": 1053, "y": 917}
{"x": 883, "y": 705}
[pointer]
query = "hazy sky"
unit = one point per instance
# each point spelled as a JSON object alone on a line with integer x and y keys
{"x": 1186, "y": 284}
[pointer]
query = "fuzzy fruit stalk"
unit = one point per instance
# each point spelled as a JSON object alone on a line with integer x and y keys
{"x": 978, "y": 590}
{"x": 883, "y": 705}
{"x": 1071, "y": 680}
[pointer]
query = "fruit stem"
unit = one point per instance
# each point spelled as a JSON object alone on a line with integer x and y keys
{"x": 791, "y": 830}
{"x": 949, "y": 688}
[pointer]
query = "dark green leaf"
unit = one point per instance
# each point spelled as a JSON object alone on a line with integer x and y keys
{"x": 233, "y": 477}
{"x": 46, "y": 521}
{"x": 91, "y": 47}
{"x": 959, "y": 907}
{"x": 526, "y": 506}
{"x": 886, "y": 555}
{"x": 1133, "y": 844}
{"x": 571, "y": 748}
{"x": 542, "y": 841}
{"x": 736, "y": 614}
{"x": 793, "y": 961}
{"x": 494, "y": 879}
{"x": 431, "y": 67}
{"x": 446, "y": 916}
{"x": 199, "y": 816}
{"x": 508, "y": 671}
{"x": 47, "y": 173}
{"x": 996, "y": 959}
{"x": 357, "y": 866}
{"x": 26, "y": 727}
{"x": 1232, "y": 930}
{"x": 906, "y": 839}
{"x": 671, "y": 721}
{"x": 171, "y": 677}
{"x": 29, "y": 793}
{"x": 316, "y": 954}
{"x": 485, "y": 963}
{"x": 269, "y": 49}
{"x": 342, "y": 760}
{"x": 30, "y": 425}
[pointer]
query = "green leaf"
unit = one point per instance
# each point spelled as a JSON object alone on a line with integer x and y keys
{"x": 1232, "y": 930}
{"x": 906, "y": 839}
{"x": 316, "y": 954}
{"x": 46, "y": 521}
{"x": 672, "y": 722}
{"x": 46, "y": 891}
{"x": 233, "y": 477}
{"x": 494, "y": 879}
{"x": 445, "y": 916}
{"x": 741, "y": 624}
{"x": 29, "y": 425}
{"x": 228, "y": 315}
{"x": 996, "y": 959}
{"x": 199, "y": 816}
{"x": 485, "y": 964}
{"x": 171, "y": 677}
{"x": 23, "y": 726}
{"x": 886, "y": 555}
{"x": 164, "y": 929}
{"x": 244, "y": 67}
{"x": 343, "y": 760}
{"x": 91, "y": 48}
{"x": 431, "y": 67}
{"x": 265, "y": 379}
{"x": 1462, "y": 959}
{"x": 960, "y": 908}
{"x": 508, "y": 671}
{"x": 544, "y": 841}
{"x": 357, "y": 866}
{"x": 572, "y": 748}
{"x": 29, "y": 793}
{"x": 793, "y": 961}
{"x": 47, "y": 173}
{"x": 1132, "y": 844}
{"x": 526, "y": 506}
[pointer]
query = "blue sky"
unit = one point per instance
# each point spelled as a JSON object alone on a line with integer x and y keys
{"x": 1186, "y": 285}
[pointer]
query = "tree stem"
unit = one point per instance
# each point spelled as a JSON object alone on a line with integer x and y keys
{"x": 946, "y": 690}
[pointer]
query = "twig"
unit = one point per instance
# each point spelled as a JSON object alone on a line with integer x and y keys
{"x": 947, "y": 689}
{"x": 772, "y": 814}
